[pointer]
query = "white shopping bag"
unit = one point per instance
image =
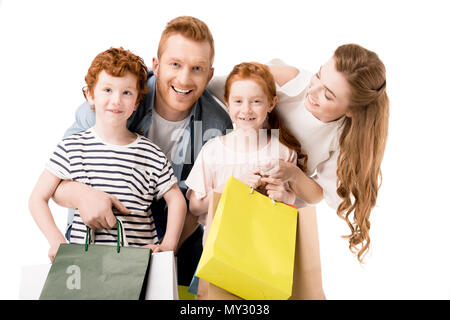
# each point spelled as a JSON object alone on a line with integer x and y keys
{"x": 162, "y": 279}
{"x": 161, "y": 284}
{"x": 32, "y": 281}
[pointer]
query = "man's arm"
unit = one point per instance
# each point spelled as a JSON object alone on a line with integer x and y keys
{"x": 94, "y": 206}
{"x": 282, "y": 74}
{"x": 84, "y": 119}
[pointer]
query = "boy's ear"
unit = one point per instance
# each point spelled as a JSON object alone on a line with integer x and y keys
{"x": 89, "y": 97}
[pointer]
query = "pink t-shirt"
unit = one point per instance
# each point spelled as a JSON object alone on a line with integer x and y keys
{"x": 217, "y": 162}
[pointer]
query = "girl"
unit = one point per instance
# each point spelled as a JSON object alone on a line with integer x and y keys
{"x": 250, "y": 96}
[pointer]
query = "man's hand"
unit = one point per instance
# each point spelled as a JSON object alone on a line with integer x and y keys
{"x": 95, "y": 206}
{"x": 96, "y": 212}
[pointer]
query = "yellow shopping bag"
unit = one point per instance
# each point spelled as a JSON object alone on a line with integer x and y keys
{"x": 251, "y": 245}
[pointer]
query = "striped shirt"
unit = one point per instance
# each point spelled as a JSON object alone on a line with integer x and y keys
{"x": 135, "y": 173}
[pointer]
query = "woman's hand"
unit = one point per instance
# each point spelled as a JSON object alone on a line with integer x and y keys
{"x": 279, "y": 170}
{"x": 298, "y": 182}
{"x": 277, "y": 190}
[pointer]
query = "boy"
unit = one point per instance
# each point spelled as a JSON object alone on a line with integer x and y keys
{"x": 110, "y": 158}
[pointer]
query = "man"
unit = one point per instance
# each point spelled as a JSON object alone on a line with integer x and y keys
{"x": 177, "y": 114}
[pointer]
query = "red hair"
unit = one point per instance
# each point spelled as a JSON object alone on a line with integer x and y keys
{"x": 190, "y": 28}
{"x": 117, "y": 62}
{"x": 261, "y": 74}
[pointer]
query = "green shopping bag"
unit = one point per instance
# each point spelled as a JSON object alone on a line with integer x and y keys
{"x": 93, "y": 271}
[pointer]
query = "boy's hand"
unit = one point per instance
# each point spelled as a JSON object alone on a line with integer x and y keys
{"x": 54, "y": 249}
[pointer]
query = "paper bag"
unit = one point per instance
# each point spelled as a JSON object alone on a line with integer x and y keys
{"x": 161, "y": 284}
{"x": 251, "y": 244}
{"x": 93, "y": 271}
{"x": 307, "y": 268}
{"x": 162, "y": 278}
{"x": 307, "y": 281}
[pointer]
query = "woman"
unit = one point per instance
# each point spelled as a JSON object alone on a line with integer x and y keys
{"x": 341, "y": 121}
{"x": 340, "y": 117}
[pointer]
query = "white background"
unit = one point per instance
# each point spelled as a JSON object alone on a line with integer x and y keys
{"x": 47, "y": 47}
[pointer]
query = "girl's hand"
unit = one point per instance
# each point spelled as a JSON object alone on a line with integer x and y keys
{"x": 160, "y": 247}
{"x": 278, "y": 169}
{"x": 277, "y": 190}
{"x": 154, "y": 247}
{"x": 165, "y": 247}
{"x": 252, "y": 179}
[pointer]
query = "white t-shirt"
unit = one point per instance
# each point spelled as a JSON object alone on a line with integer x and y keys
{"x": 319, "y": 140}
{"x": 167, "y": 134}
{"x": 217, "y": 162}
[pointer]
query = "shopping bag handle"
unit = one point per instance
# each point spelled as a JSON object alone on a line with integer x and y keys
{"x": 119, "y": 236}
{"x": 273, "y": 201}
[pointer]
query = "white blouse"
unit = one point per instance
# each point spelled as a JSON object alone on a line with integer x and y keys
{"x": 319, "y": 140}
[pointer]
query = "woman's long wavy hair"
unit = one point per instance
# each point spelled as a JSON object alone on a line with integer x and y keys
{"x": 362, "y": 141}
{"x": 261, "y": 74}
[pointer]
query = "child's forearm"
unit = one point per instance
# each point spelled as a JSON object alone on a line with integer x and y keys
{"x": 175, "y": 219}
{"x": 38, "y": 205}
{"x": 44, "y": 219}
{"x": 306, "y": 188}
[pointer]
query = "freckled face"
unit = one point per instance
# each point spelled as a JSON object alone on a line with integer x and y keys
{"x": 248, "y": 105}
{"x": 114, "y": 98}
